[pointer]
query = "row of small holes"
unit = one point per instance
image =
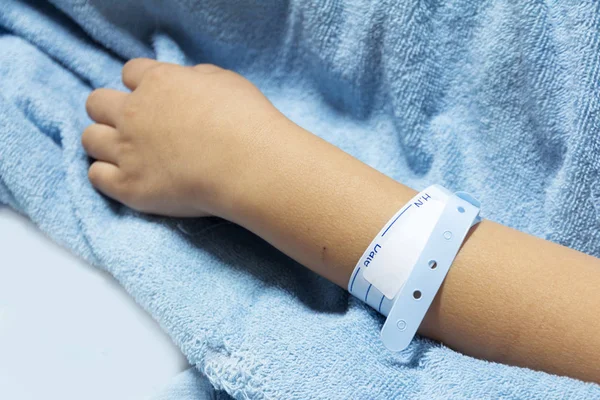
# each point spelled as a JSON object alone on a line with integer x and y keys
{"x": 432, "y": 263}
{"x": 417, "y": 293}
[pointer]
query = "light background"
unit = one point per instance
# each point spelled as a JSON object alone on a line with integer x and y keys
{"x": 68, "y": 330}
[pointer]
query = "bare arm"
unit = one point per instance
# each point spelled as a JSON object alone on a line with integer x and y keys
{"x": 509, "y": 297}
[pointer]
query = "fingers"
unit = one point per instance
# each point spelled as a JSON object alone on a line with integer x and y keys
{"x": 101, "y": 142}
{"x": 134, "y": 71}
{"x": 104, "y": 105}
{"x": 106, "y": 178}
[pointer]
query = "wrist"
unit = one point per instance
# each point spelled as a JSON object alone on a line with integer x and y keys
{"x": 316, "y": 203}
{"x": 247, "y": 167}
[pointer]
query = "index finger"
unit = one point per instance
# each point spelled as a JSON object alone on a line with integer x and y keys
{"x": 134, "y": 70}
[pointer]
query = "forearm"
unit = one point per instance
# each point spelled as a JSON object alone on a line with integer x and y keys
{"x": 509, "y": 297}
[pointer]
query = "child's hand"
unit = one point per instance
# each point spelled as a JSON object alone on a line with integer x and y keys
{"x": 182, "y": 142}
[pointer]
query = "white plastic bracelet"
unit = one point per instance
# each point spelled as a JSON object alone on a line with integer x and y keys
{"x": 401, "y": 271}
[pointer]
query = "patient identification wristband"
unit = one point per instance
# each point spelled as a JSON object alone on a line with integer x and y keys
{"x": 387, "y": 262}
{"x": 401, "y": 271}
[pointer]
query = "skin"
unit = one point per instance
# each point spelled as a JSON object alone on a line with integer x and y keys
{"x": 198, "y": 141}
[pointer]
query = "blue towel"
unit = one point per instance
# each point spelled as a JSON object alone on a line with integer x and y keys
{"x": 190, "y": 385}
{"x": 499, "y": 99}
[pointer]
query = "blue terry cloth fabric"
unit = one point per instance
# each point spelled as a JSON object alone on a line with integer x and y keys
{"x": 499, "y": 99}
{"x": 191, "y": 385}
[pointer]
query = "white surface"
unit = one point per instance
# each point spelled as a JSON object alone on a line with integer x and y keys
{"x": 67, "y": 330}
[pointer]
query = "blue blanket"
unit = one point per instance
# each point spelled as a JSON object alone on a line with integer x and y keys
{"x": 497, "y": 98}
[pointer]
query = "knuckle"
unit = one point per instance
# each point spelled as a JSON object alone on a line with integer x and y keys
{"x": 130, "y": 110}
{"x": 158, "y": 73}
